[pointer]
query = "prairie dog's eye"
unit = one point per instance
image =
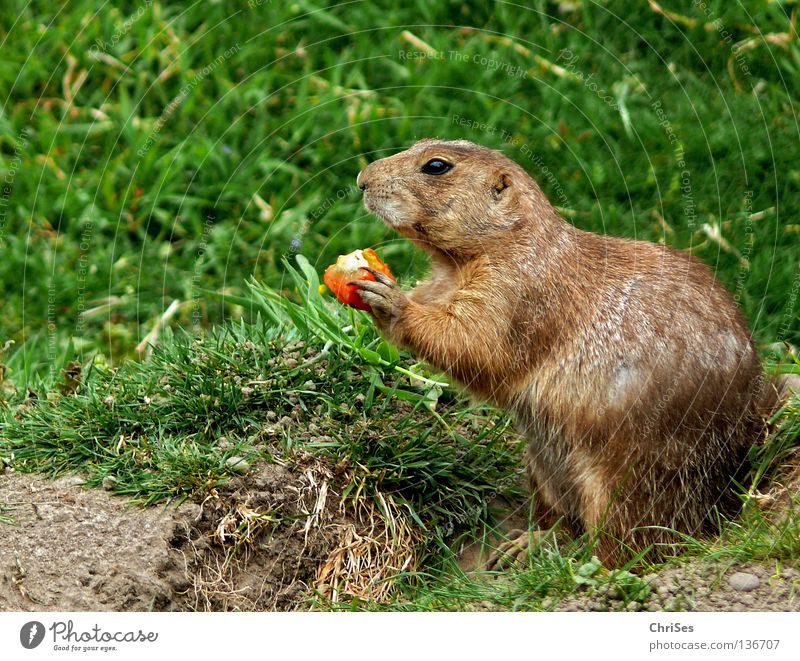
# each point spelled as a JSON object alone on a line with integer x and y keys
{"x": 436, "y": 166}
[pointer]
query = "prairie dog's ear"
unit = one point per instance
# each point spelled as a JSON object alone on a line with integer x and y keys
{"x": 501, "y": 182}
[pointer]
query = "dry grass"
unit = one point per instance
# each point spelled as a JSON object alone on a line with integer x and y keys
{"x": 328, "y": 547}
{"x": 377, "y": 544}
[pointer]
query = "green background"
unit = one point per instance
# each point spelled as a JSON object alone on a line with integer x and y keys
{"x": 152, "y": 151}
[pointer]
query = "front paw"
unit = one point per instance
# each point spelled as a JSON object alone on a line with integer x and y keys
{"x": 384, "y": 297}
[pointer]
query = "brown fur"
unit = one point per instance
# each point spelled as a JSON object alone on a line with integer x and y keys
{"x": 629, "y": 368}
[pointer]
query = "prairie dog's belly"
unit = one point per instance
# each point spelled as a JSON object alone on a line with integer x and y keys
{"x": 438, "y": 289}
{"x": 428, "y": 293}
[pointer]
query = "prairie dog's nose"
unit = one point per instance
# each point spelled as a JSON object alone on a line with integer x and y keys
{"x": 361, "y": 181}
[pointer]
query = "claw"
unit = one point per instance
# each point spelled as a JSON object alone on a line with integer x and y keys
{"x": 369, "y": 285}
{"x": 369, "y": 297}
{"x": 375, "y": 301}
{"x": 514, "y": 551}
{"x": 380, "y": 277}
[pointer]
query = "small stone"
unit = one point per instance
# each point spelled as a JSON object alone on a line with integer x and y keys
{"x": 743, "y": 581}
{"x": 633, "y": 606}
{"x": 109, "y": 482}
{"x": 69, "y": 481}
{"x": 238, "y": 464}
{"x": 272, "y": 416}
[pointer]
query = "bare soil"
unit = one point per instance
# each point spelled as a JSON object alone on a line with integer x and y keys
{"x": 262, "y": 543}
{"x": 77, "y": 549}
{"x": 254, "y": 545}
{"x": 702, "y": 585}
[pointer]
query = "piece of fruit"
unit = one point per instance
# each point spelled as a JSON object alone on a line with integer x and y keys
{"x": 339, "y": 276}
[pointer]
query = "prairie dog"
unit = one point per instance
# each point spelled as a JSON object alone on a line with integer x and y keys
{"x": 629, "y": 368}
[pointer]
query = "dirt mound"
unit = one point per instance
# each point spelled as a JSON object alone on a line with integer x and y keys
{"x": 259, "y": 543}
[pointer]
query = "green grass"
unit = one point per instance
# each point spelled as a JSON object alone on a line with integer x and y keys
{"x": 122, "y": 201}
{"x": 153, "y": 153}
{"x": 6, "y": 514}
{"x": 172, "y": 427}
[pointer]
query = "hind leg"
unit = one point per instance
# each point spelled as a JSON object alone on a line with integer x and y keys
{"x": 636, "y": 517}
{"x": 616, "y": 513}
{"x": 515, "y": 549}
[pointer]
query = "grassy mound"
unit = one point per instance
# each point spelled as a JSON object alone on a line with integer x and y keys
{"x": 201, "y": 411}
